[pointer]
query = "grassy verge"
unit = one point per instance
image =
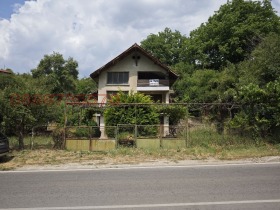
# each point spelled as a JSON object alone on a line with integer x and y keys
{"x": 203, "y": 143}
{"x": 133, "y": 155}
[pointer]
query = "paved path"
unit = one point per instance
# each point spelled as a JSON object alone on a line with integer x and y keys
{"x": 239, "y": 186}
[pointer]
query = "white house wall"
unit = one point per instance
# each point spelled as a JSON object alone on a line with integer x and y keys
{"x": 126, "y": 65}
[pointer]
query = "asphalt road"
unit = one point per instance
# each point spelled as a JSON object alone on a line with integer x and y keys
{"x": 248, "y": 186}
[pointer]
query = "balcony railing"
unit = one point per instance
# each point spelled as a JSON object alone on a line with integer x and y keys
{"x": 152, "y": 82}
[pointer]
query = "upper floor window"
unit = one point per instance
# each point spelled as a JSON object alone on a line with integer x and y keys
{"x": 117, "y": 78}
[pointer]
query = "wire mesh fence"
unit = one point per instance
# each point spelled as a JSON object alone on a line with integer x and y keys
{"x": 193, "y": 132}
{"x": 38, "y": 137}
{"x": 82, "y": 132}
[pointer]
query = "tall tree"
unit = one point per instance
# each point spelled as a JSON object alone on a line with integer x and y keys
{"x": 86, "y": 89}
{"x": 168, "y": 46}
{"x": 259, "y": 89}
{"x": 200, "y": 87}
{"x": 85, "y": 86}
{"x": 264, "y": 63}
{"x": 59, "y": 74}
{"x": 232, "y": 33}
{"x": 24, "y": 104}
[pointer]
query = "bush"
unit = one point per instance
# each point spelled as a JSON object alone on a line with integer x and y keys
{"x": 127, "y": 114}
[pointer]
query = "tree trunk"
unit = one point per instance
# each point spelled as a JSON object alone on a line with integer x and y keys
{"x": 20, "y": 141}
{"x": 20, "y": 136}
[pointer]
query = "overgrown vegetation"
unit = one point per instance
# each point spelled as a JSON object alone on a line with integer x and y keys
{"x": 130, "y": 155}
{"x": 231, "y": 61}
{"x": 130, "y": 113}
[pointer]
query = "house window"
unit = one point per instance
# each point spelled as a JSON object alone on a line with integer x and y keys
{"x": 117, "y": 78}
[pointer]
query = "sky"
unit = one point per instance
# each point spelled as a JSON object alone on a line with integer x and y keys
{"x": 91, "y": 31}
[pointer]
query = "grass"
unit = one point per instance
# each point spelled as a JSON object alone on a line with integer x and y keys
{"x": 35, "y": 142}
{"x": 205, "y": 136}
{"x": 203, "y": 143}
{"x": 133, "y": 155}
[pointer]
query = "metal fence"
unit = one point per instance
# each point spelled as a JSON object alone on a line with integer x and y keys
{"x": 36, "y": 138}
{"x": 194, "y": 132}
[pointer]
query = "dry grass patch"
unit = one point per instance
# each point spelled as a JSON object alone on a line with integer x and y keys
{"x": 43, "y": 157}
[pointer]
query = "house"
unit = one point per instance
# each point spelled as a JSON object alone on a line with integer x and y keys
{"x": 2, "y": 71}
{"x": 134, "y": 70}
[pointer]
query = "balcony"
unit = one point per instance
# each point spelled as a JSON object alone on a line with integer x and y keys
{"x": 152, "y": 85}
{"x": 152, "y": 82}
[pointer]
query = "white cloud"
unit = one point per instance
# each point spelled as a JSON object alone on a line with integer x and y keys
{"x": 92, "y": 32}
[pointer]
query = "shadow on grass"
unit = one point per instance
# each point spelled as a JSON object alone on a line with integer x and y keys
{"x": 6, "y": 158}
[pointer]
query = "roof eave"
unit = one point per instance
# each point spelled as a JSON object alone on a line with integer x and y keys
{"x": 123, "y": 54}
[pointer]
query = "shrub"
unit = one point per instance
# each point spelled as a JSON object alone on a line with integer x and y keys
{"x": 128, "y": 112}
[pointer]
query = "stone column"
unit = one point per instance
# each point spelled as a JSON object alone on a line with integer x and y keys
{"x": 102, "y": 128}
{"x": 165, "y": 126}
{"x": 96, "y": 118}
{"x": 166, "y": 118}
{"x": 167, "y": 98}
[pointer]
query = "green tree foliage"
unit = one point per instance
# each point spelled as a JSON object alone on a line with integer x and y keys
{"x": 85, "y": 86}
{"x": 207, "y": 86}
{"x": 200, "y": 87}
{"x": 131, "y": 114}
{"x": 29, "y": 100}
{"x": 23, "y": 105}
{"x": 259, "y": 89}
{"x": 79, "y": 116}
{"x": 260, "y": 111}
{"x": 86, "y": 89}
{"x": 59, "y": 74}
{"x": 183, "y": 68}
{"x": 174, "y": 112}
{"x": 241, "y": 40}
{"x": 168, "y": 46}
{"x": 232, "y": 33}
{"x": 264, "y": 63}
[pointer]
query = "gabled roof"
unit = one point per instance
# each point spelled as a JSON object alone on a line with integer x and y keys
{"x": 133, "y": 48}
{"x": 2, "y": 71}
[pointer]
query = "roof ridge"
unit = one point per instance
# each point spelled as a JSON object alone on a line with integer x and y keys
{"x": 124, "y": 53}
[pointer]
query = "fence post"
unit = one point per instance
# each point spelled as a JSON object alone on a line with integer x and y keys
{"x": 90, "y": 142}
{"x": 117, "y": 135}
{"x": 161, "y": 130}
{"x": 32, "y": 139}
{"x": 135, "y": 134}
{"x": 135, "y": 124}
{"x": 187, "y": 131}
{"x": 64, "y": 127}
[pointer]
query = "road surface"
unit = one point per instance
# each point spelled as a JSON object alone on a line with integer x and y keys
{"x": 240, "y": 186}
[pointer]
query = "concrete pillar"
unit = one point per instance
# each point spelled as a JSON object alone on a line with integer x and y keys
{"x": 165, "y": 126}
{"x": 96, "y": 118}
{"x": 166, "y": 118}
{"x": 102, "y": 128}
{"x": 167, "y": 98}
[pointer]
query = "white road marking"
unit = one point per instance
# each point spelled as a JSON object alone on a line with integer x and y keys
{"x": 152, "y": 205}
{"x": 120, "y": 167}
